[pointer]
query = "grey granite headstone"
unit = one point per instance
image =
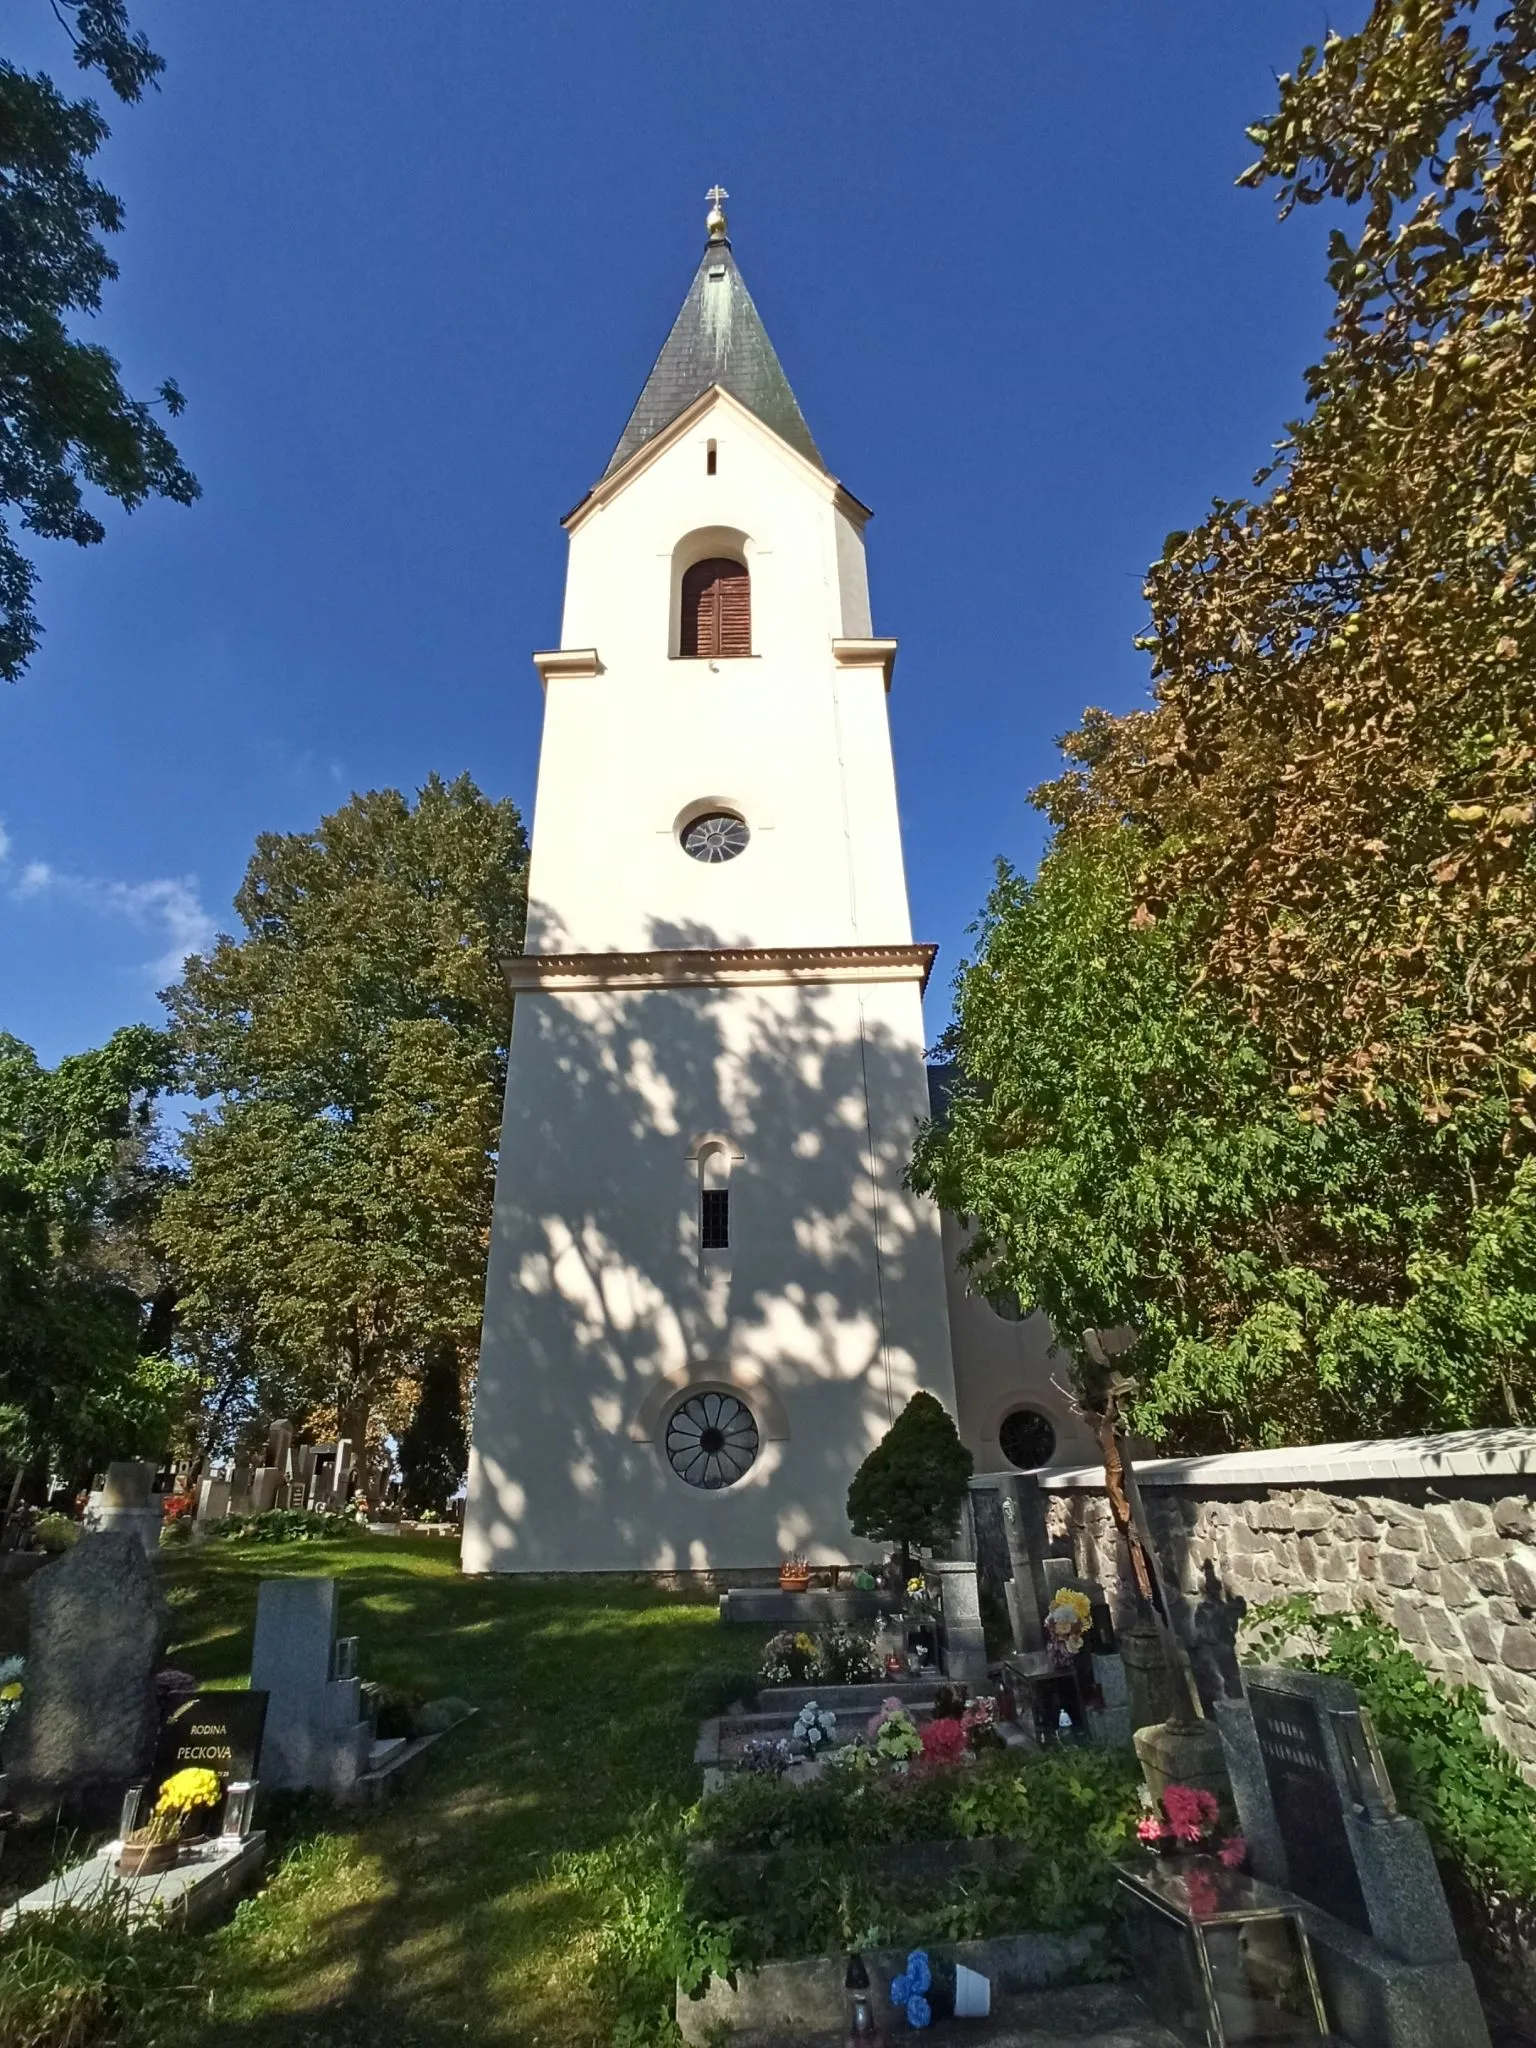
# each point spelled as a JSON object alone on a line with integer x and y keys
{"x": 1319, "y": 1818}
{"x": 317, "y": 1733}
{"x": 965, "y": 1645}
{"x": 88, "y": 1720}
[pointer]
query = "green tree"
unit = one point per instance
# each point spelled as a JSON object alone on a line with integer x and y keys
{"x": 1279, "y": 1110}
{"x": 912, "y": 1486}
{"x": 354, "y": 1038}
{"x": 1120, "y": 1140}
{"x": 66, "y": 422}
{"x": 84, "y": 1373}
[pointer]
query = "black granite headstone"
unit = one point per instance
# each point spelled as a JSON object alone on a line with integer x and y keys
{"x": 1309, "y": 1804}
{"x": 213, "y": 1731}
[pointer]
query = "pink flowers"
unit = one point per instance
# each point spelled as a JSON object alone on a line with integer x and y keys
{"x": 1191, "y": 1812}
{"x": 1190, "y": 1819}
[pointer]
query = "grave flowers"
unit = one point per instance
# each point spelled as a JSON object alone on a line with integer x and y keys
{"x": 943, "y": 1741}
{"x": 788, "y": 1658}
{"x": 815, "y": 1729}
{"x": 1067, "y": 1623}
{"x": 894, "y": 1735}
{"x": 909, "y": 1991}
{"x": 1190, "y": 1823}
{"x": 156, "y": 1844}
{"x": 11, "y": 1672}
{"x": 766, "y": 1756}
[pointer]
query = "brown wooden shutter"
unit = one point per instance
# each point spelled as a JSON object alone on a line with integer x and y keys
{"x": 717, "y": 609}
{"x": 733, "y": 594}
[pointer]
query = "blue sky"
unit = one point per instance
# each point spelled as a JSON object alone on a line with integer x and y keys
{"x": 410, "y": 263}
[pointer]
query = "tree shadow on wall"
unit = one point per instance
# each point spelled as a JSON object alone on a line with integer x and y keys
{"x": 829, "y": 1302}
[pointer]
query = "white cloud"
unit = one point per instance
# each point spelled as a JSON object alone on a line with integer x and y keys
{"x": 5, "y": 844}
{"x": 171, "y": 908}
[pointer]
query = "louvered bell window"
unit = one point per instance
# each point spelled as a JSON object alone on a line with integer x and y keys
{"x": 717, "y": 609}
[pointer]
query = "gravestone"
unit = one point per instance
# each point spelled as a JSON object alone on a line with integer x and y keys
{"x": 317, "y": 1733}
{"x": 88, "y": 1716}
{"x": 965, "y": 1644}
{"x": 127, "y": 1506}
{"x": 212, "y": 1731}
{"x": 1317, "y": 1811}
{"x": 994, "y": 1564}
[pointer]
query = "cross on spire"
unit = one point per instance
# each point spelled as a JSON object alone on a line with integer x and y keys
{"x": 715, "y": 219}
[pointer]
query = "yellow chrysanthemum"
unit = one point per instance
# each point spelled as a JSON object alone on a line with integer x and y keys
{"x": 11, "y": 1691}
{"x": 185, "y": 1791}
{"x": 1079, "y": 1603}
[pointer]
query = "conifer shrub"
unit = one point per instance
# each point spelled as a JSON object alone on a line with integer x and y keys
{"x": 911, "y": 1487}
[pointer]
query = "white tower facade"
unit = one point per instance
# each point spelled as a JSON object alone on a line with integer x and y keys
{"x": 708, "y": 1292}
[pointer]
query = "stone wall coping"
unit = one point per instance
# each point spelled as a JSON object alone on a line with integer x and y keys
{"x": 1458, "y": 1454}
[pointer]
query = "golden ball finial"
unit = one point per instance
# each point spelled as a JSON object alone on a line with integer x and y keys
{"x": 714, "y": 220}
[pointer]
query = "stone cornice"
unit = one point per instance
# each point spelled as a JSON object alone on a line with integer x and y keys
{"x": 566, "y": 661}
{"x": 857, "y": 654}
{"x": 723, "y": 967}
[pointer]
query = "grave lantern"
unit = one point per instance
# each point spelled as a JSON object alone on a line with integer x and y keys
{"x": 239, "y": 1810}
{"x": 862, "y": 2030}
{"x": 1220, "y": 1958}
{"x": 128, "y": 1818}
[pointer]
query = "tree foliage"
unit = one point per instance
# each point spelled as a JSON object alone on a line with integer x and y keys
{"x": 66, "y": 423}
{"x": 1252, "y": 1065}
{"x": 354, "y": 1040}
{"x": 80, "y": 1379}
{"x": 1341, "y": 761}
{"x": 911, "y": 1487}
{"x": 1117, "y": 1135}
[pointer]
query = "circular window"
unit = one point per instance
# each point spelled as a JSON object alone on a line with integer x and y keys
{"x": 717, "y": 836}
{"x": 1027, "y": 1439}
{"x": 1005, "y": 1303}
{"x": 711, "y": 1440}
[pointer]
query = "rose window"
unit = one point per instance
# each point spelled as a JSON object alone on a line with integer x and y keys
{"x": 711, "y": 1440}
{"x": 717, "y": 836}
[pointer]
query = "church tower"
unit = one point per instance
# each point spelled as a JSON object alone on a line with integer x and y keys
{"x": 708, "y": 1294}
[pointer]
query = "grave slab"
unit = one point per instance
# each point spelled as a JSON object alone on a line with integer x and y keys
{"x": 195, "y": 1892}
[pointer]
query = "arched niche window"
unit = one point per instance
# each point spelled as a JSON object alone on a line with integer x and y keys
{"x": 716, "y": 609}
{"x": 715, "y": 1199}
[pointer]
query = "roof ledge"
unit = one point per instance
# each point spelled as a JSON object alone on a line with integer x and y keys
{"x": 861, "y": 654}
{"x": 562, "y": 663}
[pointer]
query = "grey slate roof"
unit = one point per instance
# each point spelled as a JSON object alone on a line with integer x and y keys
{"x": 718, "y": 338}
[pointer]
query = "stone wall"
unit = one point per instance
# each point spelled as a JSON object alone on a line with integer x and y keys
{"x": 1438, "y": 1534}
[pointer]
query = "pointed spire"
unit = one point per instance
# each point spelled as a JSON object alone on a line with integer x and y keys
{"x": 718, "y": 338}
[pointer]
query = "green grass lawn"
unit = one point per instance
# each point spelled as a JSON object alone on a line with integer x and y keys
{"x": 447, "y": 1915}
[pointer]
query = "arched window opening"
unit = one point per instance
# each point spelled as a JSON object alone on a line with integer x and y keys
{"x": 715, "y": 1200}
{"x": 717, "y": 609}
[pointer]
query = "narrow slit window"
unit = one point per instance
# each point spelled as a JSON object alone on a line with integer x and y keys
{"x": 717, "y": 609}
{"x": 710, "y": 459}
{"x": 715, "y": 1219}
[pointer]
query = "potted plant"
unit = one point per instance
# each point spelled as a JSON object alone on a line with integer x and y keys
{"x": 794, "y": 1574}
{"x": 157, "y": 1844}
